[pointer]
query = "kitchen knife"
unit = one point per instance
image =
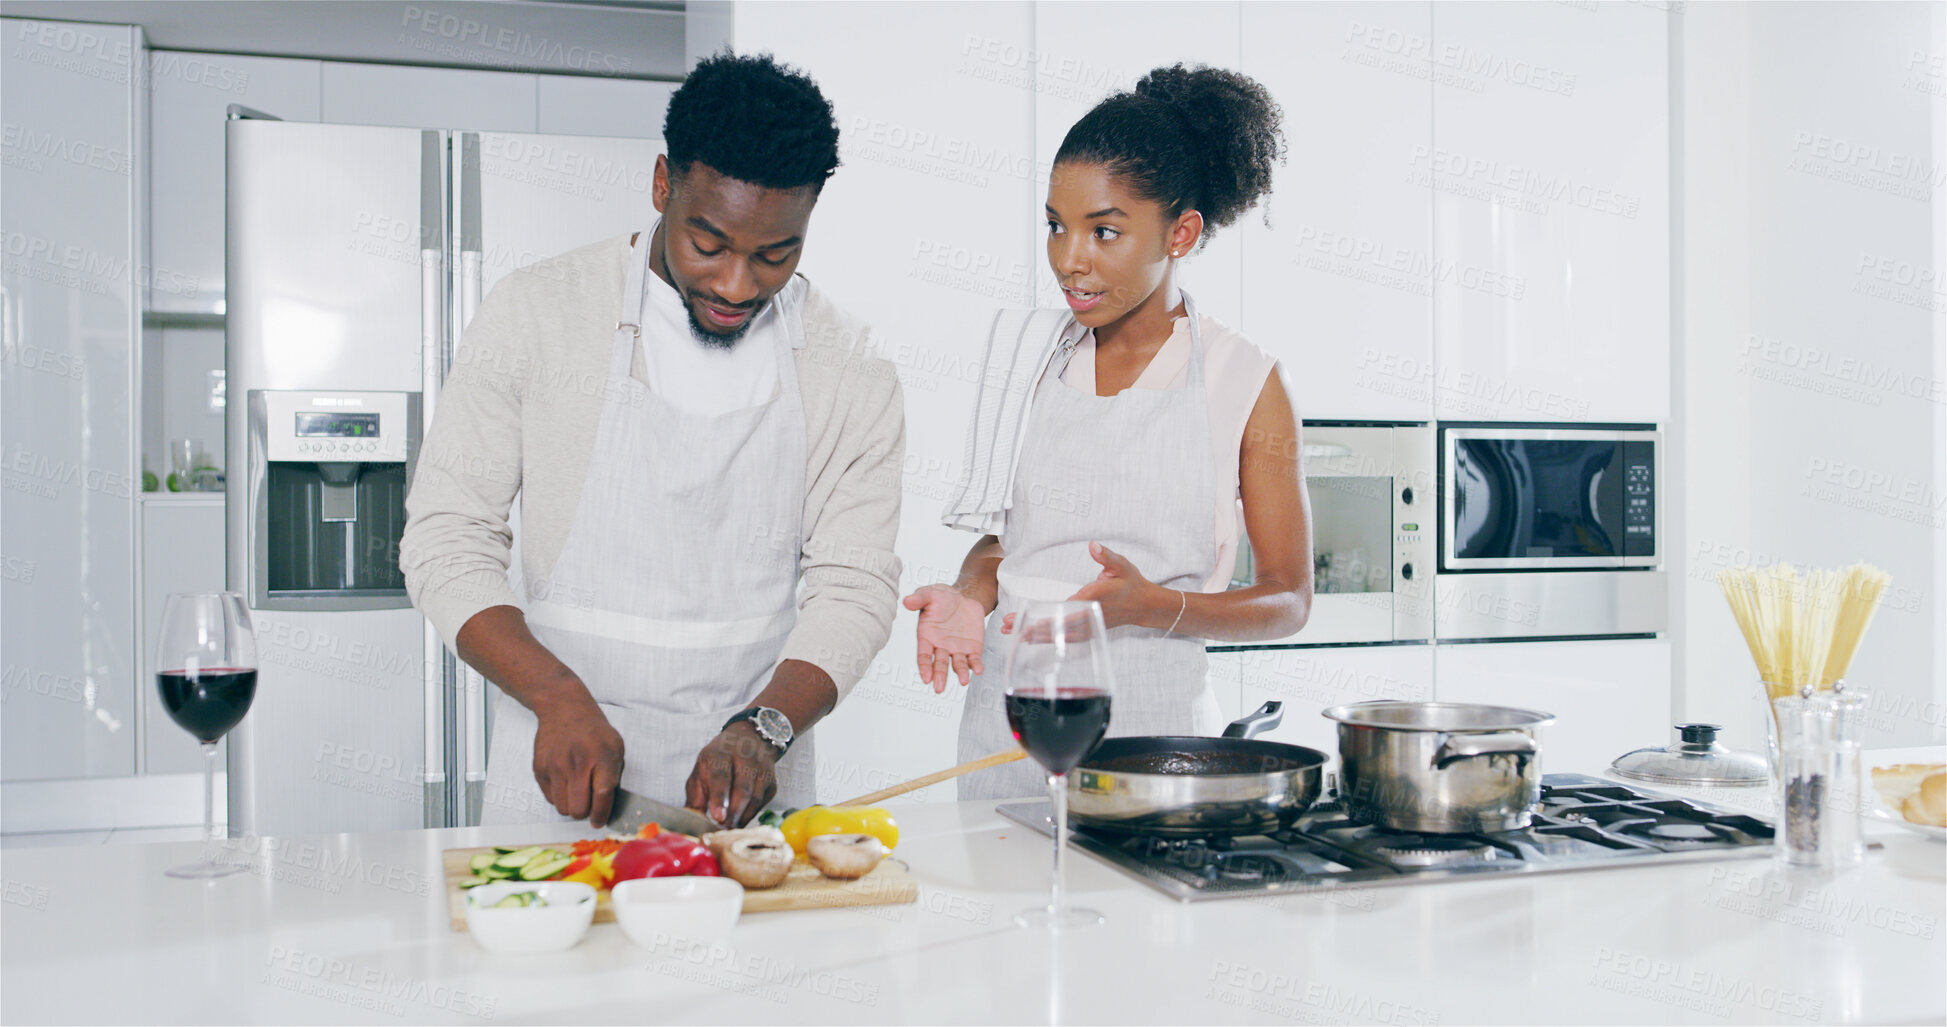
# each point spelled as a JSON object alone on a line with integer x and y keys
{"x": 631, "y": 811}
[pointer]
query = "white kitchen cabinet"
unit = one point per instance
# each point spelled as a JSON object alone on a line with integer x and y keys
{"x": 72, "y": 100}
{"x": 1338, "y": 286}
{"x": 1311, "y": 680}
{"x": 1609, "y": 697}
{"x": 189, "y": 101}
{"x": 182, "y": 551}
{"x": 1549, "y": 165}
{"x": 409, "y": 97}
{"x": 1077, "y": 57}
{"x": 582, "y": 105}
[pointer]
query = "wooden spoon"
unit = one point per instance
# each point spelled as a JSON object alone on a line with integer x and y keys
{"x": 936, "y": 777}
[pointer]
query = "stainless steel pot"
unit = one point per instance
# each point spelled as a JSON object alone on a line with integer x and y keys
{"x": 1182, "y": 787}
{"x": 1439, "y": 768}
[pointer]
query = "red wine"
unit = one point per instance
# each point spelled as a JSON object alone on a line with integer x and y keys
{"x": 208, "y": 703}
{"x": 1059, "y": 729}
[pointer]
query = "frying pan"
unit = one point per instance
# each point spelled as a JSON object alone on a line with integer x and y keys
{"x": 1178, "y": 786}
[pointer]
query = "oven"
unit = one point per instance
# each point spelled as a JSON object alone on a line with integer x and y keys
{"x": 1548, "y": 531}
{"x": 1373, "y": 506}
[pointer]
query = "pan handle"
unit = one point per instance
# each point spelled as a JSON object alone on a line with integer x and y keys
{"x": 1254, "y": 724}
{"x": 1518, "y": 744}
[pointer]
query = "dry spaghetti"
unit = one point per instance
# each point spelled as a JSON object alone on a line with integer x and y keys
{"x": 1802, "y": 630}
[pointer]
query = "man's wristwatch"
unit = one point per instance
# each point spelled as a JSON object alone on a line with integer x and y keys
{"x": 772, "y": 726}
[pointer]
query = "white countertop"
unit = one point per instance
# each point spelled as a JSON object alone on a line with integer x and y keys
{"x": 353, "y": 928}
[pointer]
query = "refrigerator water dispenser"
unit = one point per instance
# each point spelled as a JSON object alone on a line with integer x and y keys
{"x": 328, "y": 479}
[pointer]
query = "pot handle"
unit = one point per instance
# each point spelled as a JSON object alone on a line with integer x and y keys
{"x": 1254, "y": 724}
{"x": 1456, "y": 747}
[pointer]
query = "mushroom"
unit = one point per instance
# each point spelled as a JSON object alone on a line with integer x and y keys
{"x": 845, "y": 856}
{"x": 755, "y": 857}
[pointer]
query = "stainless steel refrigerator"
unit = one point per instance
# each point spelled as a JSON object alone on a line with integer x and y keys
{"x": 355, "y": 257}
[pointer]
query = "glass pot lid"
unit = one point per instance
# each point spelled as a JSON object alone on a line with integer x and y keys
{"x": 1695, "y": 758}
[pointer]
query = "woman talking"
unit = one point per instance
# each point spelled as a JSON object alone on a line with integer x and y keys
{"x": 1114, "y": 443}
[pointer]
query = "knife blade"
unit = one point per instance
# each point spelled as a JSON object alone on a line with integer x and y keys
{"x": 631, "y": 811}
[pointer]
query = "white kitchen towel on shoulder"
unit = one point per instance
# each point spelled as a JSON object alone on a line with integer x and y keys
{"x": 1020, "y": 346}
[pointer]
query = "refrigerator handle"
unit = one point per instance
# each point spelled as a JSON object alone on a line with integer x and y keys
{"x": 473, "y": 698}
{"x": 435, "y": 759}
{"x": 433, "y": 353}
{"x": 466, "y": 227}
{"x": 470, "y": 724}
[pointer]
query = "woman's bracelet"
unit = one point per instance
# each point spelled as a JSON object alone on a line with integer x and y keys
{"x": 1179, "y": 612}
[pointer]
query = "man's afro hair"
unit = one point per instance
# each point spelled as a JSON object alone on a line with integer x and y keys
{"x": 754, "y": 120}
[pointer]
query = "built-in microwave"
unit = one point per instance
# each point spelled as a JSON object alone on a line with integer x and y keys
{"x": 1548, "y": 530}
{"x": 1372, "y": 531}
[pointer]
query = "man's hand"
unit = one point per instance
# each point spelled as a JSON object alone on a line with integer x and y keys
{"x": 578, "y": 761}
{"x": 735, "y": 776}
{"x": 951, "y": 633}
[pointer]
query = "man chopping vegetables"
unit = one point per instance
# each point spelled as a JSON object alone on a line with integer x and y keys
{"x": 707, "y": 458}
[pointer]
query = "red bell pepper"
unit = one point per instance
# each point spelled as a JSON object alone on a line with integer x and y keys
{"x": 666, "y": 855}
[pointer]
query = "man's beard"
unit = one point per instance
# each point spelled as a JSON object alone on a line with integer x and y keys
{"x": 716, "y": 340}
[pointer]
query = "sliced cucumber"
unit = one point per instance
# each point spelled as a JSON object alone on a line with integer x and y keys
{"x": 519, "y": 900}
{"x": 475, "y": 882}
{"x": 502, "y": 850}
{"x": 542, "y": 868}
{"x": 482, "y": 861}
{"x": 519, "y": 857}
{"x": 494, "y": 873}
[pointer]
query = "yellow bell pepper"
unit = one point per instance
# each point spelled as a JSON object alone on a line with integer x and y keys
{"x": 590, "y": 875}
{"x": 800, "y": 827}
{"x": 599, "y": 871}
{"x": 793, "y": 827}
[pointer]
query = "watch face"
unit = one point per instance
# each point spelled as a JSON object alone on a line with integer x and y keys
{"x": 775, "y": 725}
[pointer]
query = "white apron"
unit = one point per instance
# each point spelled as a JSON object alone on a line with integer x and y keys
{"x": 1132, "y": 471}
{"x": 677, "y": 583}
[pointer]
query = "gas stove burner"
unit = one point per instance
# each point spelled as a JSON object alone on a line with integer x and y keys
{"x": 1425, "y": 850}
{"x": 1162, "y": 848}
{"x": 1244, "y": 868}
{"x": 1682, "y": 832}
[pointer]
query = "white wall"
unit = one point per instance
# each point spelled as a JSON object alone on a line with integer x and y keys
{"x": 1812, "y": 348}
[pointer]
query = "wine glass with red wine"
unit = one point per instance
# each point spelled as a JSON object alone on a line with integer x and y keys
{"x": 206, "y": 675}
{"x": 1058, "y": 688}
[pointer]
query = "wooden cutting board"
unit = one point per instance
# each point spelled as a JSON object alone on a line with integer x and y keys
{"x": 889, "y": 884}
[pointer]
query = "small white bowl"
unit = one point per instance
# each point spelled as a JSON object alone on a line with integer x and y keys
{"x": 551, "y": 928}
{"x": 655, "y": 911}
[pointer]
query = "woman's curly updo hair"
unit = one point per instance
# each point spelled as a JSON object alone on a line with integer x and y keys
{"x": 1201, "y": 138}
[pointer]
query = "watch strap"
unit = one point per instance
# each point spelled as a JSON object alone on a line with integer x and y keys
{"x": 751, "y": 714}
